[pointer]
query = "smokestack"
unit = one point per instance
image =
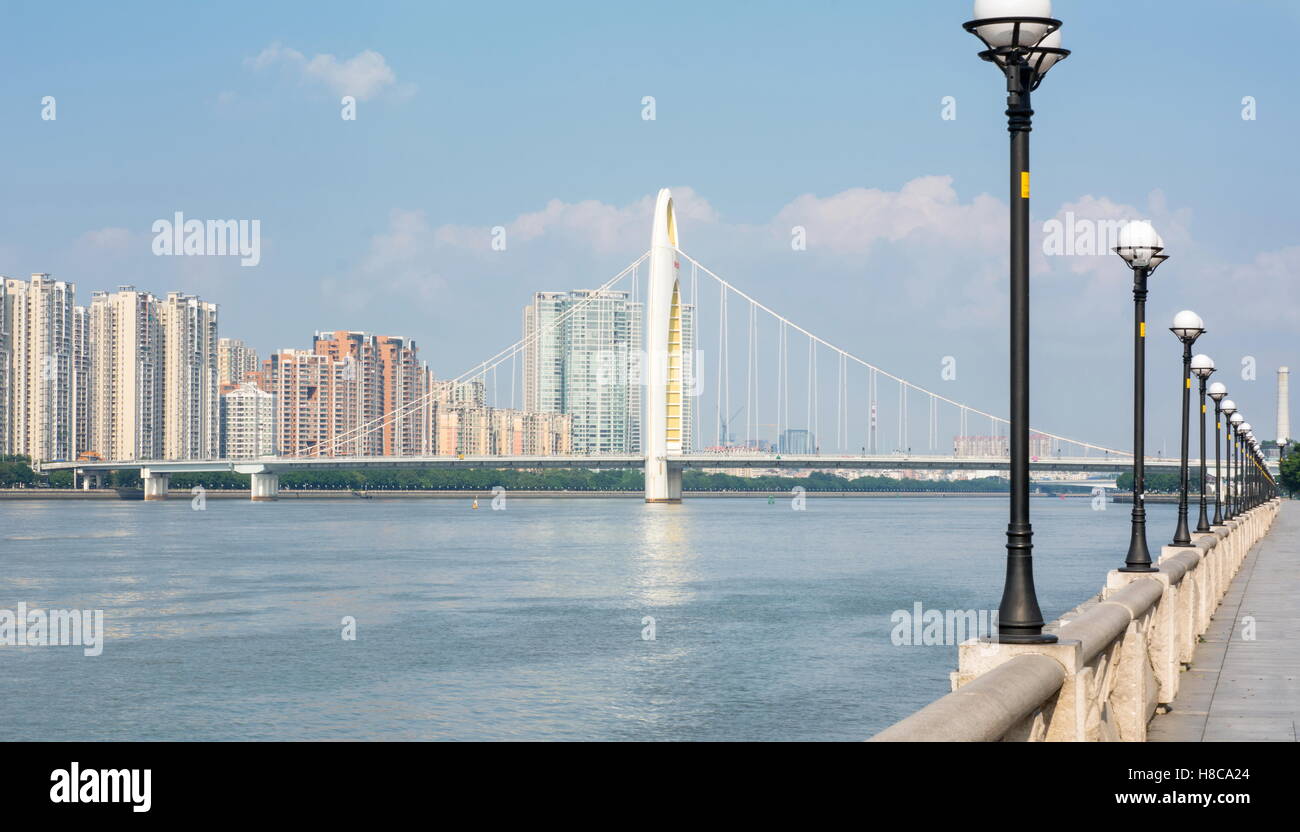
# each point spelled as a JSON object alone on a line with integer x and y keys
{"x": 1283, "y": 406}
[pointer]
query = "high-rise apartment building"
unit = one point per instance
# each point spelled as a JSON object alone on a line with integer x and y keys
{"x": 403, "y": 381}
{"x": 247, "y": 422}
{"x": 125, "y": 402}
{"x": 6, "y": 359}
{"x": 191, "y": 407}
{"x": 40, "y": 379}
{"x": 235, "y": 360}
{"x": 81, "y": 377}
{"x": 583, "y": 357}
{"x": 312, "y": 401}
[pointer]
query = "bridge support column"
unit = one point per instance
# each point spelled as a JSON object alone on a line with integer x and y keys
{"x": 156, "y": 485}
{"x": 265, "y": 487}
{"x": 663, "y": 482}
{"x": 85, "y": 479}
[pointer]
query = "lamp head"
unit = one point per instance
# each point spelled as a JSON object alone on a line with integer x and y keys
{"x": 1217, "y": 391}
{"x": 1140, "y": 245}
{"x": 1011, "y": 23}
{"x": 1188, "y": 326}
{"x": 1202, "y": 366}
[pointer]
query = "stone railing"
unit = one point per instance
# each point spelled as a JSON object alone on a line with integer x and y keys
{"x": 1117, "y": 660}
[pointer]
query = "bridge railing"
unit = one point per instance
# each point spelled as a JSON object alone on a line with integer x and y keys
{"x": 1118, "y": 657}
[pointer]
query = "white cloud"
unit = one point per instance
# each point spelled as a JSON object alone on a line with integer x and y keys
{"x": 363, "y": 75}
{"x": 109, "y": 238}
{"x": 925, "y": 211}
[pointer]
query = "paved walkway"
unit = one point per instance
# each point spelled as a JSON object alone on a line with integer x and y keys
{"x": 1239, "y": 688}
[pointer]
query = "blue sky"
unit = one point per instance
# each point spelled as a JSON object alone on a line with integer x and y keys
{"x": 767, "y": 115}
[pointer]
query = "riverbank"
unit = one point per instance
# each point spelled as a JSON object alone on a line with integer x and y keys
{"x": 324, "y": 494}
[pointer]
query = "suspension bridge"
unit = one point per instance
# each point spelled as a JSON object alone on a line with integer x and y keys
{"x": 875, "y": 414}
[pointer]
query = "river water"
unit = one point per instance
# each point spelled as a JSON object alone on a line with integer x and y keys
{"x": 526, "y": 623}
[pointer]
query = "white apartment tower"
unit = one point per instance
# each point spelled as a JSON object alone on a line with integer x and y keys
{"x": 247, "y": 423}
{"x": 40, "y": 378}
{"x": 191, "y": 407}
{"x": 125, "y": 405}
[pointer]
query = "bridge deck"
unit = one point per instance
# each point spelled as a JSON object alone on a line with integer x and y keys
{"x": 1241, "y": 689}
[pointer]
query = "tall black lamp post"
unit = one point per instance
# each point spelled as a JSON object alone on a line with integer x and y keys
{"x": 1235, "y": 422}
{"x": 1023, "y": 41}
{"x": 1202, "y": 368}
{"x": 1188, "y": 326}
{"x": 1217, "y": 392}
{"x": 1247, "y": 468}
{"x": 1142, "y": 248}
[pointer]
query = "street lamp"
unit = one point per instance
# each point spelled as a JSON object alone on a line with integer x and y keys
{"x": 1188, "y": 326}
{"x": 1202, "y": 368}
{"x": 1016, "y": 34}
{"x": 1141, "y": 247}
{"x": 1234, "y": 432}
{"x": 1251, "y": 446}
{"x": 1217, "y": 392}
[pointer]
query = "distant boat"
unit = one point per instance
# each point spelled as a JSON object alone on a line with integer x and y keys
{"x": 475, "y": 504}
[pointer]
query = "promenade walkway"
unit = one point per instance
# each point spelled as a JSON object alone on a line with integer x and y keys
{"x": 1244, "y": 685}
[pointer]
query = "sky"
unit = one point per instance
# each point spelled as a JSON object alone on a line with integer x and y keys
{"x": 836, "y": 117}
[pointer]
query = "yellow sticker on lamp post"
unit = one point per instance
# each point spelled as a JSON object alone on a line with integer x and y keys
{"x": 1024, "y": 184}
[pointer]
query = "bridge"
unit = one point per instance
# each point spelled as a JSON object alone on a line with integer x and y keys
{"x": 265, "y": 472}
{"x": 823, "y": 379}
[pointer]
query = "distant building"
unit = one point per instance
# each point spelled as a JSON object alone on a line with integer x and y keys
{"x": 352, "y": 394}
{"x": 797, "y": 441}
{"x": 583, "y": 357}
{"x": 235, "y": 360}
{"x": 191, "y": 407}
{"x": 39, "y": 397}
{"x": 463, "y": 423}
{"x": 247, "y": 423}
{"x": 125, "y": 402}
{"x": 1040, "y": 446}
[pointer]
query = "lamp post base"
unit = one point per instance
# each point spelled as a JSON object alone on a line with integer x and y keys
{"x": 1025, "y": 638}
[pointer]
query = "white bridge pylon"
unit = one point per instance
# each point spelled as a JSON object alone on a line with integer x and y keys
{"x": 663, "y": 358}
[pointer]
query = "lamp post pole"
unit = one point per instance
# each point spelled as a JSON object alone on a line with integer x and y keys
{"x": 1188, "y": 326}
{"x": 1139, "y": 556}
{"x": 1203, "y": 368}
{"x": 1217, "y": 392}
{"x": 1142, "y": 249}
{"x": 1024, "y": 48}
{"x": 1234, "y": 434}
{"x": 1182, "y": 537}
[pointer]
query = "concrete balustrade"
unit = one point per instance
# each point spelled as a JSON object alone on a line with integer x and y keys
{"x": 1117, "y": 660}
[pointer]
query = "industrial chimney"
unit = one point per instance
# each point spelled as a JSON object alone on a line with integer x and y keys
{"x": 1283, "y": 408}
